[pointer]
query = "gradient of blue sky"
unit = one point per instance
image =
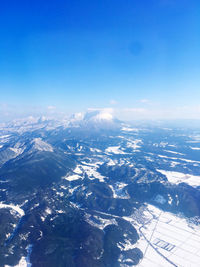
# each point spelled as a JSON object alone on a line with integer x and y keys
{"x": 76, "y": 54}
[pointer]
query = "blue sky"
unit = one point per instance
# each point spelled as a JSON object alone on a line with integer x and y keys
{"x": 140, "y": 57}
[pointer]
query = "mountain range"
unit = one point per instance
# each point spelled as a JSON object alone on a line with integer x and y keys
{"x": 73, "y": 191}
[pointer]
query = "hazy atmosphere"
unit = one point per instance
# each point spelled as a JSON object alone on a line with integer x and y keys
{"x": 99, "y": 133}
{"x": 140, "y": 59}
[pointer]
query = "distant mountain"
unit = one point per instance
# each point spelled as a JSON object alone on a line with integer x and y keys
{"x": 96, "y": 119}
{"x": 77, "y": 191}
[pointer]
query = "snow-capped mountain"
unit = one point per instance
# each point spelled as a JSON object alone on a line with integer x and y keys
{"x": 94, "y": 191}
{"x": 95, "y": 119}
{"x": 40, "y": 145}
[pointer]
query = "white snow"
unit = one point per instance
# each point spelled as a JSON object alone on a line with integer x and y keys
{"x": 18, "y": 151}
{"x": 99, "y": 222}
{"x": 111, "y": 162}
{"x": 174, "y": 152}
{"x": 182, "y": 159}
{"x": 24, "y": 261}
{"x": 182, "y": 237}
{"x": 63, "y": 187}
{"x": 98, "y": 115}
{"x": 87, "y": 168}
{"x": 91, "y": 171}
{"x": 78, "y": 169}
{"x": 121, "y": 185}
{"x": 60, "y": 211}
{"x": 72, "y": 177}
{"x": 104, "y": 116}
{"x": 39, "y": 144}
{"x": 77, "y": 116}
{"x": 114, "y": 150}
{"x": 195, "y": 148}
{"x": 43, "y": 218}
{"x": 61, "y": 194}
{"x": 21, "y": 263}
{"x": 10, "y": 206}
{"x": 4, "y": 136}
{"x": 117, "y": 190}
{"x": 126, "y": 246}
{"x": 189, "y": 160}
{"x": 172, "y": 145}
{"x": 170, "y": 199}
{"x": 48, "y": 211}
{"x": 113, "y": 191}
{"x": 129, "y": 129}
{"x": 71, "y": 190}
{"x": 134, "y": 143}
{"x": 95, "y": 150}
{"x": 174, "y": 163}
{"x": 178, "y": 177}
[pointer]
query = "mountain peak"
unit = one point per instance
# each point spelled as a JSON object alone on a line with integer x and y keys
{"x": 98, "y": 118}
{"x": 41, "y": 145}
{"x": 98, "y": 115}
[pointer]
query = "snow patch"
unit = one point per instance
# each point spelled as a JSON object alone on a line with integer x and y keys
{"x": 95, "y": 150}
{"x": 16, "y": 208}
{"x": 40, "y": 145}
{"x": 134, "y": 144}
{"x": 78, "y": 169}
{"x": 174, "y": 152}
{"x": 99, "y": 222}
{"x": 48, "y": 211}
{"x": 129, "y": 129}
{"x": 112, "y": 162}
{"x": 195, "y": 148}
{"x": 167, "y": 239}
{"x": 91, "y": 171}
{"x": 114, "y": 150}
{"x": 178, "y": 177}
{"x": 72, "y": 177}
{"x": 17, "y": 151}
{"x": 4, "y": 136}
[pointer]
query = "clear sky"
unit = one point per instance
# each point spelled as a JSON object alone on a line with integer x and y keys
{"x": 140, "y": 57}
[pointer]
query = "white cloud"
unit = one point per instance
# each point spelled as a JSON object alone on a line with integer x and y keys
{"x": 113, "y": 102}
{"x": 144, "y": 101}
{"x": 155, "y": 112}
{"x": 135, "y": 110}
{"x": 136, "y": 113}
{"x": 108, "y": 110}
{"x": 51, "y": 107}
